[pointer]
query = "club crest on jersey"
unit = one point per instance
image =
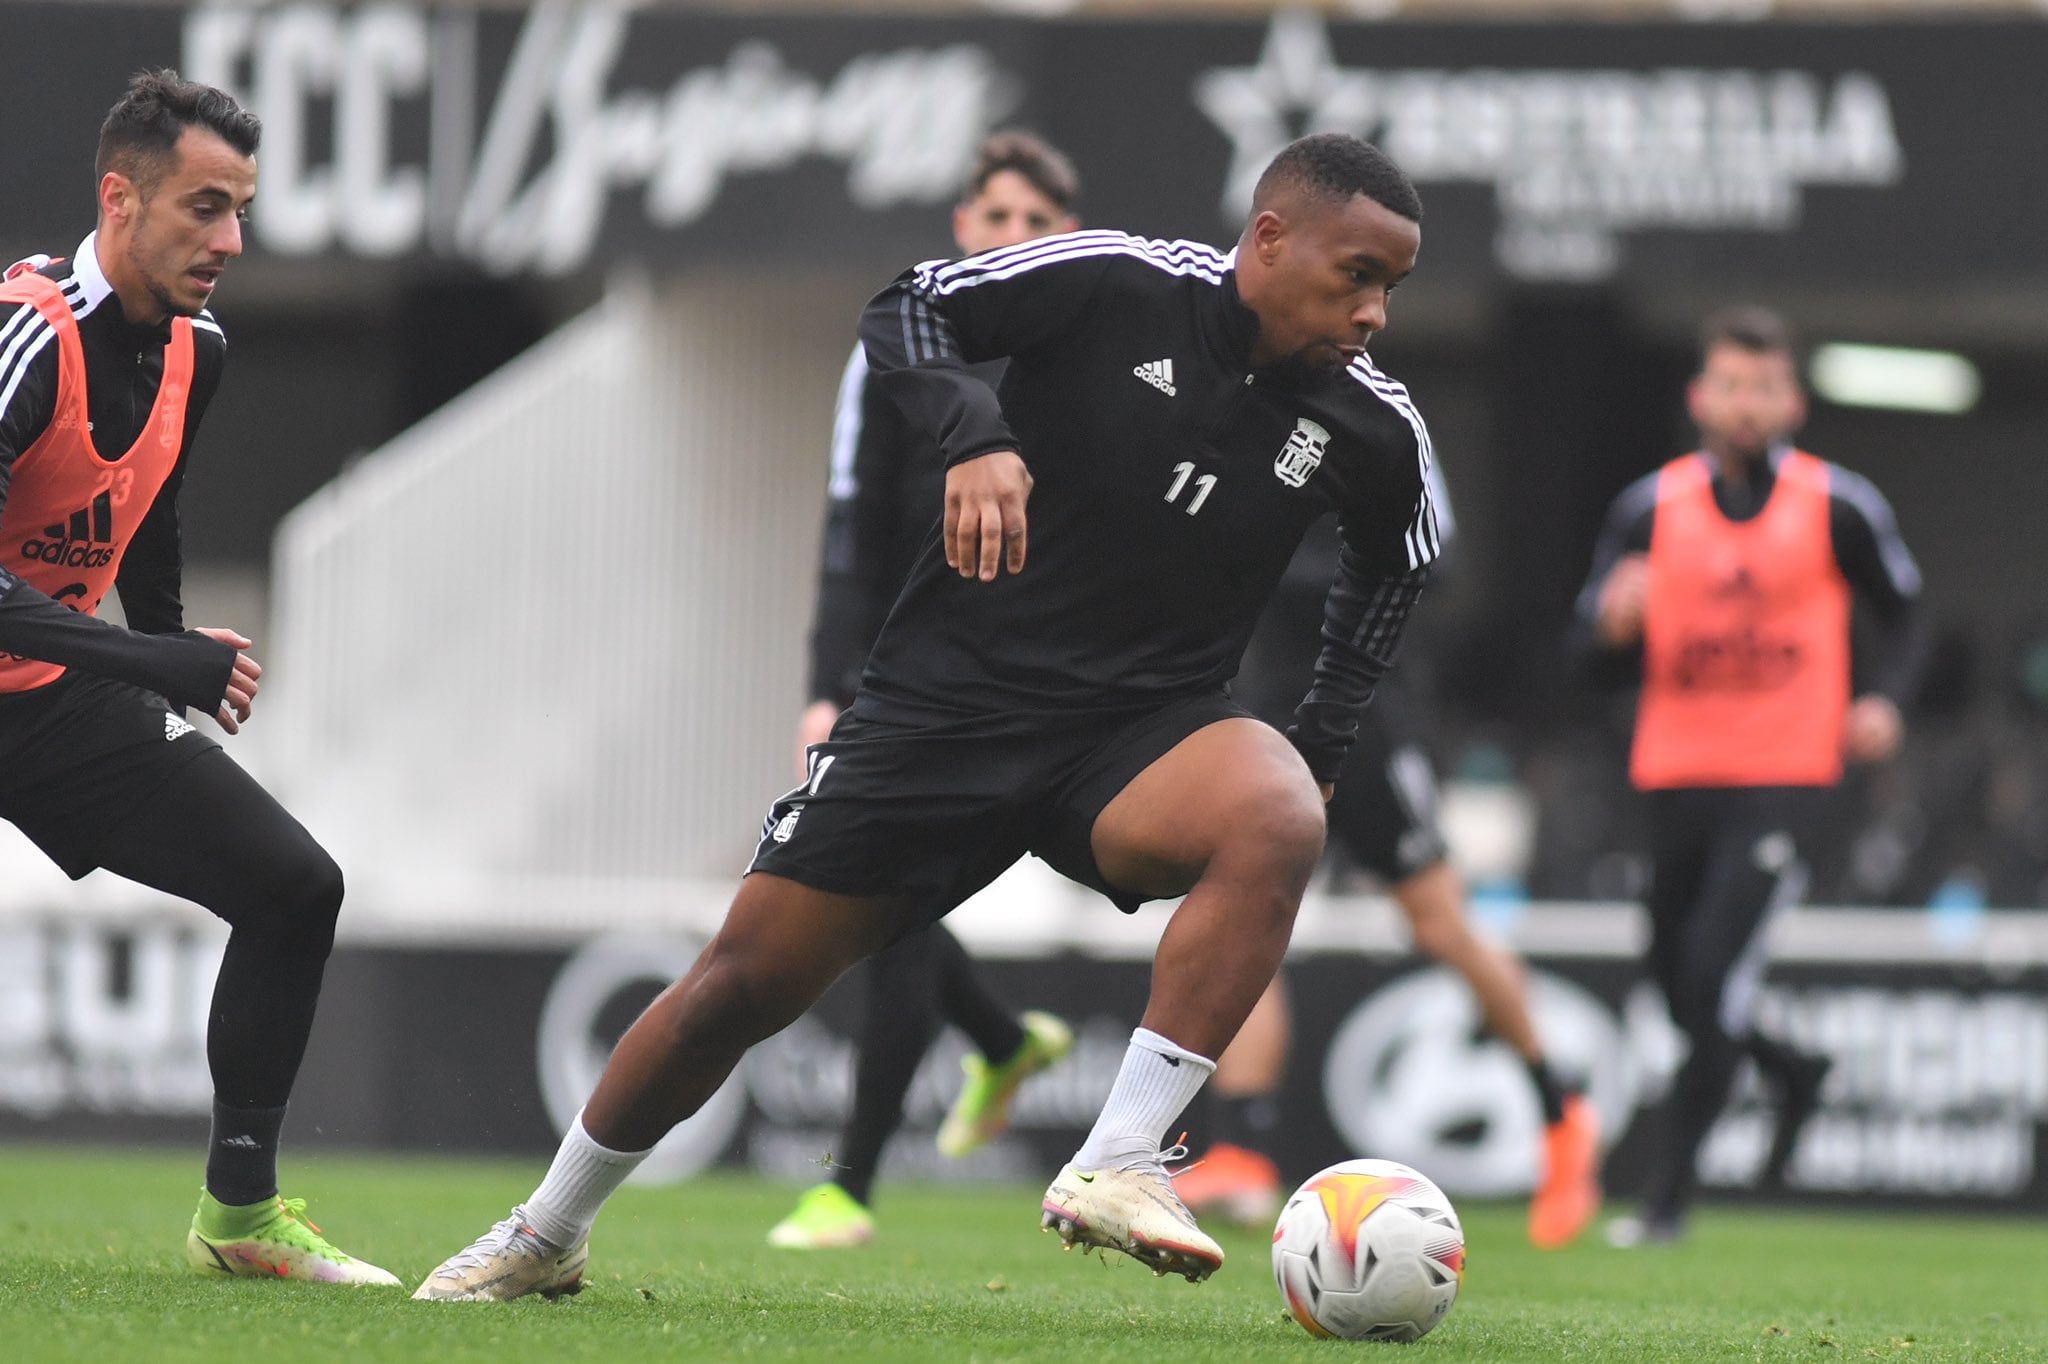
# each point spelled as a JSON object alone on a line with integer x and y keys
{"x": 1302, "y": 453}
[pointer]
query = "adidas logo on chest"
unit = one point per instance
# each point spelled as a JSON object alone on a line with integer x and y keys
{"x": 84, "y": 540}
{"x": 1158, "y": 373}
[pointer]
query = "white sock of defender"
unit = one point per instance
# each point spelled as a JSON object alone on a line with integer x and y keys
{"x": 1157, "y": 1080}
{"x": 584, "y": 1175}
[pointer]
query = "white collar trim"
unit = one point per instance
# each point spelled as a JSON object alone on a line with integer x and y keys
{"x": 93, "y": 285}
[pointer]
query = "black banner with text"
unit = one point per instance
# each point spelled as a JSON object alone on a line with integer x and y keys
{"x": 561, "y": 138}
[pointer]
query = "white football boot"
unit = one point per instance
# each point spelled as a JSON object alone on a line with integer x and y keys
{"x": 1135, "y": 1211}
{"x": 509, "y": 1261}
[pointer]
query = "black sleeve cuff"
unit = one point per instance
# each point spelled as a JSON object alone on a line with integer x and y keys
{"x": 1323, "y": 734}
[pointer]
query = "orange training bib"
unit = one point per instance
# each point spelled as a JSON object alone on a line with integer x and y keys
{"x": 70, "y": 514}
{"x": 1745, "y": 637}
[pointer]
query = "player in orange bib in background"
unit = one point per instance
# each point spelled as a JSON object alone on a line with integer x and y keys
{"x": 1733, "y": 569}
{"x": 107, "y": 361}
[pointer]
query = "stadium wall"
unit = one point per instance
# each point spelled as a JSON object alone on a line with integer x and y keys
{"x": 1938, "y": 1032}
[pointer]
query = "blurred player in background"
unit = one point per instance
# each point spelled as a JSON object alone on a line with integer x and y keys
{"x": 107, "y": 362}
{"x": 1383, "y": 816}
{"x": 1733, "y": 570}
{"x": 1186, "y": 415}
{"x": 887, "y": 492}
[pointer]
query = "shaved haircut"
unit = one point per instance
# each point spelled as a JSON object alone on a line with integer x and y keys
{"x": 1334, "y": 168}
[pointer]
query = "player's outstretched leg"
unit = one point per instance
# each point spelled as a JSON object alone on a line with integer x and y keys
{"x": 1568, "y": 1195}
{"x": 781, "y": 944}
{"x": 1230, "y": 818}
{"x": 212, "y": 835}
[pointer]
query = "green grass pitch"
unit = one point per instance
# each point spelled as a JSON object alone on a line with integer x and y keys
{"x": 92, "y": 1270}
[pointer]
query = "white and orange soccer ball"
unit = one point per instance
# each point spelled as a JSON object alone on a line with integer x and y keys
{"x": 1369, "y": 1250}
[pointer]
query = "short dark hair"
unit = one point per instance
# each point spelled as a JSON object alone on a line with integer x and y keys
{"x": 1747, "y": 327}
{"x": 1043, "y": 165}
{"x": 140, "y": 136}
{"x": 1338, "y": 166}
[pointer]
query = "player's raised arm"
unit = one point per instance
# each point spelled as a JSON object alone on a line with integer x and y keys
{"x": 187, "y": 668}
{"x": 923, "y": 331}
{"x": 933, "y": 321}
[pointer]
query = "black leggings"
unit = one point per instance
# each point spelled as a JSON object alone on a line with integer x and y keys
{"x": 914, "y": 985}
{"x": 1725, "y": 860}
{"x": 213, "y": 836}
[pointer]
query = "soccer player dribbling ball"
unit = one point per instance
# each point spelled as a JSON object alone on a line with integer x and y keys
{"x": 1175, "y": 417}
{"x": 107, "y": 361}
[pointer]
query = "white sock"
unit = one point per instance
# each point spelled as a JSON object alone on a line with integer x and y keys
{"x": 1157, "y": 1080}
{"x": 583, "y": 1176}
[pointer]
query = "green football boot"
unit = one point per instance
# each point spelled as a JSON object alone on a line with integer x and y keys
{"x": 826, "y": 1218}
{"x": 983, "y": 1109}
{"x": 271, "y": 1240}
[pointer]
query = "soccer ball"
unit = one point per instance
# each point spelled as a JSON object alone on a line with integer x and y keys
{"x": 1368, "y": 1250}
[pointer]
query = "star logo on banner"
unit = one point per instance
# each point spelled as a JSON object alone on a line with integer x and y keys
{"x": 1577, "y": 159}
{"x": 1296, "y": 88}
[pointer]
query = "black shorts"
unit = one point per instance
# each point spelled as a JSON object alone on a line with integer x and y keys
{"x": 1384, "y": 813}
{"x": 81, "y": 755}
{"x": 936, "y": 811}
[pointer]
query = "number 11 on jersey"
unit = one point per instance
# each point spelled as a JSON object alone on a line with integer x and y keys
{"x": 1181, "y": 471}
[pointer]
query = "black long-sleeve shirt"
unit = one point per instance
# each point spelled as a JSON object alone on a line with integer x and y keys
{"x": 887, "y": 490}
{"x": 1172, "y": 482}
{"x": 1868, "y": 549}
{"x": 124, "y": 368}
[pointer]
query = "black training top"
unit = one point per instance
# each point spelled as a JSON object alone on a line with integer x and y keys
{"x": 1172, "y": 484}
{"x": 123, "y": 366}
